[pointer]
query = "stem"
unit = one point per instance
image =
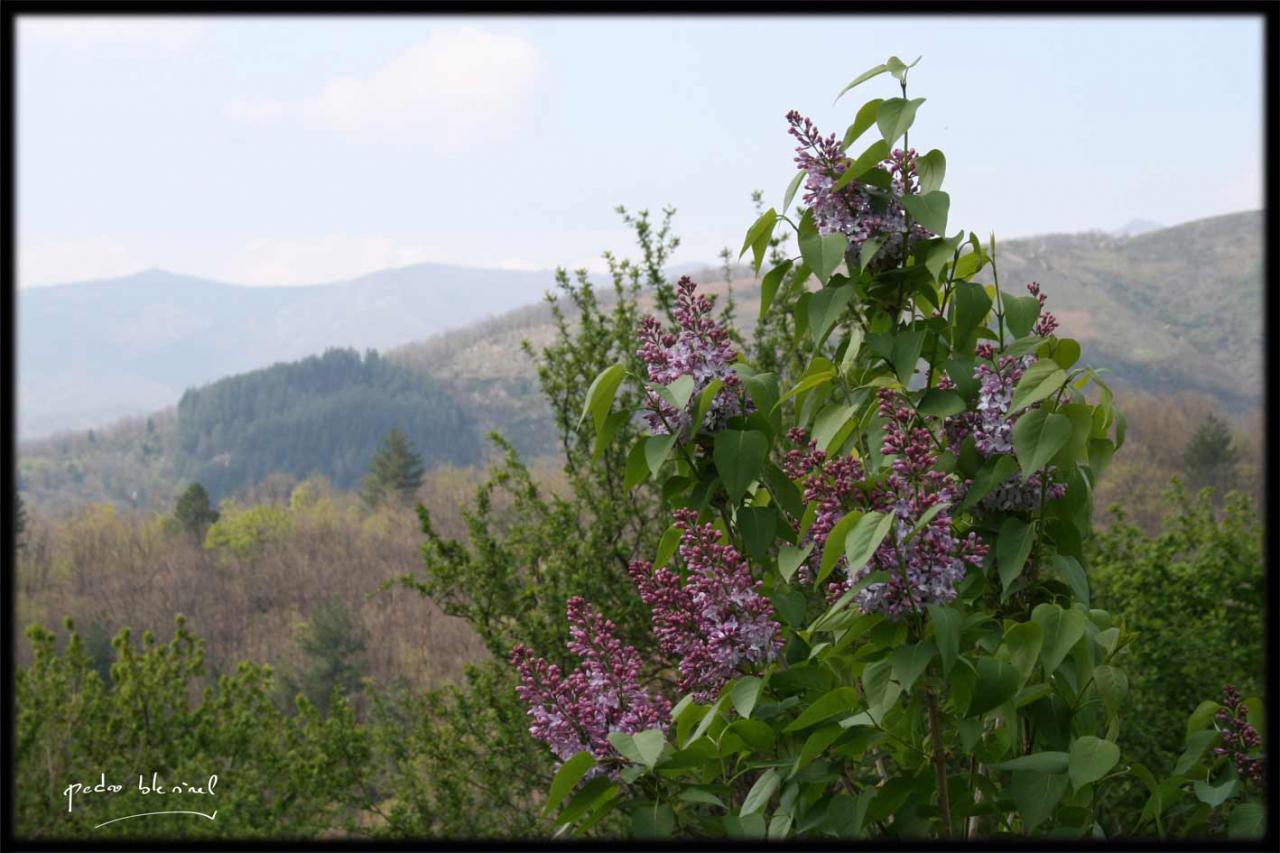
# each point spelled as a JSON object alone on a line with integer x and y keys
{"x": 939, "y": 764}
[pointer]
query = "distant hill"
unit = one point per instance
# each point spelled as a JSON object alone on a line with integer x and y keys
{"x": 92, "y": 352}
{"x": 1178, "y": 309}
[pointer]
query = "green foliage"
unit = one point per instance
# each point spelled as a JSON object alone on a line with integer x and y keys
{"x": 243, "y": 530}
{"x": 395, "y": 472}
{"x": 194, "y": 512}
{"x": 278, "y": 775}
{"x": 1195, "y": 594}
{"x": 323, "y": 414}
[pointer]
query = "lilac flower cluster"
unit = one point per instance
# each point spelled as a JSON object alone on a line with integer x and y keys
{"x": 699, "y": 348}
{"x": 1047, "y": 324}
{"x": 857, "y": 210}
{"x": 926, "y": 568}
{"x": 717, "y": 619}
{"x": 577, "y": 712}
{"x": 830, "y": 482}
{"x": 1238, "y": 737}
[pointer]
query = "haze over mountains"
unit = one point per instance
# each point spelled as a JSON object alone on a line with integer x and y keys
{"x": 91, "y": 352}
{"x": 1180, "y": 307}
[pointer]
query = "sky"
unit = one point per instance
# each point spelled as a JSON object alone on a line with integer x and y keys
{"x": 297, "y": 150}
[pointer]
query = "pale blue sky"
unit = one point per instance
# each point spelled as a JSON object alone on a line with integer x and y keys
{"x": 297, "y": 150}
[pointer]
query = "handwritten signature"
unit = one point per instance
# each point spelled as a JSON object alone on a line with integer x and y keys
{"x": 155, "y": 786}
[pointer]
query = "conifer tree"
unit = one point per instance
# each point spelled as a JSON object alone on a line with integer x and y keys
{"x": 1211, "y": 455}
{"x": 396, "y": 471}
{"x": 194, "y": 511}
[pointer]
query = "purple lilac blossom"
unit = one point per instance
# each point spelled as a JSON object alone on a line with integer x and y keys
{"x": 857, "y": 210}
{"x": 577, "y": 712}
{"x": 699, "y": 348}
{"x": 926, "y": 568}
{"x": 1238, "y": 737}
{"x": 830, "y": 481}
{"x": 716, "y": 620}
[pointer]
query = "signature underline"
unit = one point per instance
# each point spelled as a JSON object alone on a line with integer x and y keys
{"x": 144, "y": 814}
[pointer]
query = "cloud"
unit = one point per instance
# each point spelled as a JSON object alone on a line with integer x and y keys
{"x": 458, "y": 86}
{"x": 62, "y": 261}
{"x": 314, "y": 261}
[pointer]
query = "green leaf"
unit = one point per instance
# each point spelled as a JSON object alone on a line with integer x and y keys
{"x": 625, "y": 745}
{"x": 1247, "y": 820}
{"x": 997, "y": 683}
{"x": 746, "y": 692}
{"x": 760, "y": 792}
{"x": 1041, "y": 380}
{"x": 739, "y": 456}
{"x": 601, "y": 393}
{"x": 865, "y": 538}
{"x": 833, "y": 549}
{"x": 822, "y": 253}
{"x": 1037, "y": 436}
{"x": 667, "y": 546}
{"x": 1020, "y": 313}
{"x": 875, "y": 154}
{"x": 769, "y": 285}
{"x": 947, "y": 623}
{"x": 1036, "y": 795}
{"x": 592, "y": 795}
{"x": 1062, "y": 630}
{"x": 909, "y": 662}
{"x": 825, "y": 309}
{"x": 865, "y": 117}
{"x": 656, "y": 450}
{"x": 1090, "y": 759}
{"x": 1024, "y": 641}
{"x": 1201, "y": 716}
{"x": 863, "y": 77}
{"x": 1013, "y": 546}
{"x": 789, "y": 559}
{"x": 937, "y": 403}
{"x": 931, "y": 168}
{"x": 755, "y": 734}
{"x": 759, "y": 235}
{"x": 705, "y": 398}
{"x": 971, "y": 306}
{"x": 841, "y": 700}
{"x": 637, "y": 465}
{"x": 790, "y": 605}
{"x": 649, "y": 745}
{"x": 851, "y": 349}
{"x": 1113, "y": 686}
{"x": 1041, "y": 762}
{"x": 895, "y": 116}
{"x": 700, "y": 795}
{"x": 1073, "y": 573}
{"x": 829, "y": 427}
{"x": 567, "y": 778}
{"x": 930, "y": 209}
{"x": 879, "y": 688}
{"x": 810, "y": 381}
{"x": 759, "y": 525}
{"x": 652, "y": 820}
{"x": 906, "y": 352}
{"x": 791, "y": 190}
{"x": 1196, "y": 746}
{"x": 988, "y": 478}
{"x": 1066, "y": 353}
{"x": 867, "y": 251}
{"x": 814, "y": 746}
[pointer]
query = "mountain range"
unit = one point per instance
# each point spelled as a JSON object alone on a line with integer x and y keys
{"x": 1168, "y": 310}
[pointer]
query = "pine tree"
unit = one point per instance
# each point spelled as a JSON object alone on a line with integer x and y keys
{"x": 396, "y": 471}
{"x": 194, "y": 512}
{"x": 1211, "y": 455}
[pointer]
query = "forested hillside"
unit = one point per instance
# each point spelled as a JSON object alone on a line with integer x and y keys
{"x": 322, "y": 415}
